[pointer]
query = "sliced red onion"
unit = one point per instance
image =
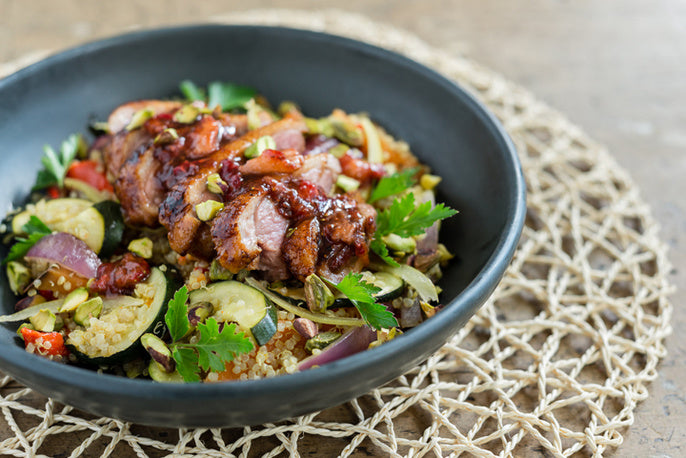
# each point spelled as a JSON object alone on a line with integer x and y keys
{"x": 353, "y": 341}
{"x": 67, "y": 251}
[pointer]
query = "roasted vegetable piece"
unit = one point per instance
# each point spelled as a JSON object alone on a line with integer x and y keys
{"x": 49, "y": 344}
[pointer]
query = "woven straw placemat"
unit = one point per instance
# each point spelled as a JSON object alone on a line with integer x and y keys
{"x": 553, "y": 364}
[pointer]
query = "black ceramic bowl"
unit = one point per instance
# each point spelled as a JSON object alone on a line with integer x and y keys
{"x": 445, "y": 127}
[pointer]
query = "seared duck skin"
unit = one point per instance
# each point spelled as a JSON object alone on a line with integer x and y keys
{"x": 279, "y": 216}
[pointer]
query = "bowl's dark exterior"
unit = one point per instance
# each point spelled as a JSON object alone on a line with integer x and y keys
{"x": 446, "y": 127}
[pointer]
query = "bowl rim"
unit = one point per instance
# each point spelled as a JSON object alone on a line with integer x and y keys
{"x": 476, "y": 291}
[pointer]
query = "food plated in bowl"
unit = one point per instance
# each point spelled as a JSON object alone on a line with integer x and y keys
{"x": 297, "y": 241}
{"x": 445, "y": 127}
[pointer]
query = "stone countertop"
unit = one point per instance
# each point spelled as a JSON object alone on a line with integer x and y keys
{"x": 614, "y": 68}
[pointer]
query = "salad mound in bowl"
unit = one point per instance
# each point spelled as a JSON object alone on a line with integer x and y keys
{"x": 215, "y": 238}
{"x": 201, "y": 234}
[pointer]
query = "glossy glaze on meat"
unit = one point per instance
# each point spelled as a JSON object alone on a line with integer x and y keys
{"x": 280, "y": 214}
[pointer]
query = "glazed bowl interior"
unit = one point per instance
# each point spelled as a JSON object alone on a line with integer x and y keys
{"x": 444, "y": 126}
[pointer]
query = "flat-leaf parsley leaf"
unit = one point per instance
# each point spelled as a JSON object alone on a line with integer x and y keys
{"x": 35, "y": 230}
{"x": 55, "y": 164}
{"x": 393, "y": 184}
{"x": 212, "y": 350}
{"x": 361, "y": 294}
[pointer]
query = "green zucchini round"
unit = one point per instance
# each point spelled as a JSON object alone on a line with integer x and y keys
{"x": 150, "y": 320}
{"x": 236, "y": 302}
{"x": 114, "y": 226}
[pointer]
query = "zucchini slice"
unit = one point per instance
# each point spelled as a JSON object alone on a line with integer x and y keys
{"x": 114, "y": 337}
{"x": 51, "y": 212}
{"x": 114, "y": 226}
{"x": 266, "y": 328}
{"x": 236, "y": 302}
{"x": 101, "y": 225}
{"x": 391, "y": 286}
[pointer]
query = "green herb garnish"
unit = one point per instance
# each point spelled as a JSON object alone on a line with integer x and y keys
{"x": 361, "y": 294}
{"x": 56, "y": 164}
{"x": 405, "y": 219}
{"x": 226, "y": 95}
{"x": 35, "y": 230}
{"x": 191, "y": 91}
{"x": 214, "y": 348}
{"x": 393, "y": 184}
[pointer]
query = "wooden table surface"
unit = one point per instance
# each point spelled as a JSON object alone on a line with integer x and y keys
{"x": 614, "y": 68}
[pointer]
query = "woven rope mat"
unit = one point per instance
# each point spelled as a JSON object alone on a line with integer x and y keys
{"x": 554, "y": 363}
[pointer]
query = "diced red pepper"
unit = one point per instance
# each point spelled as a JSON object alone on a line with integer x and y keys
{"x": 53, "y": 192}
{"x": 88, "y": 172}
{"x": 44, "y": 343}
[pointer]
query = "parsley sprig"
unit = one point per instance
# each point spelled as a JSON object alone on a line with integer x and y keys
{"x": 405, "y": 219}
{"x": 393, "y": 184}
{"x": 56, "y": 164}
{"x": 35, "y": 230}
{"x": 227, "y": 95}
{"x": 361, "y": 294}
{"x": 214, "y": 348}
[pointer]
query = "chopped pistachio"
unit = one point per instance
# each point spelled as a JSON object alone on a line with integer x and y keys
{"x": 158, "y": 374}
{"x": 168, "y": 135}
{"x": 319, "y": 126}
{"x": 139, "y": 118}
{"x": 306, "y": 328}
{"x": 100, "y": 127}
{"x": 428, "y": 181}
{"x": 322, "y": 340}
{"x": 18, "y": 275}
{"x": 219, "y": 272}
{"x": 347, "y": 183}
{"x": 187, "y": 114}
{"x": 428, "y": 309}
{"x": 339, "y": 151}
{"x": 263, "y": 143}
{"x": 74, "y": 299}
{"x": 384, "y": 335}
{"x": 198, "y": 314}
{"x": 347, "y": 132}
{"x": 86, "y": 310}
{"x": 142, "y": 247}
{"x": 43, "y": 321}
{"x": 158, "y": 351}
{"x": 318, "y": 296}
{"x": 22, "y": 326}
{"x": 286, "y": 107}
{"x": 402, "y": 244}
{"x": 208, "y": 209}
{"x": 215, "y": 183}
{"x": 255, "y": 113}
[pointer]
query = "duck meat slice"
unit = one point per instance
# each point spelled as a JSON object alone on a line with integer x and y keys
{"x": 321, "y": 169}
{"x": 117, "y": 148}
{"x": 139, "y": 191}
{"x": 177, "y": 212}
{"x": 123, "y": 114}
{"x": 271, "y": 228}
{"x": 273, "y": 161}
{"x": 301, "y": 248}
{"x": 234, "y": 231}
